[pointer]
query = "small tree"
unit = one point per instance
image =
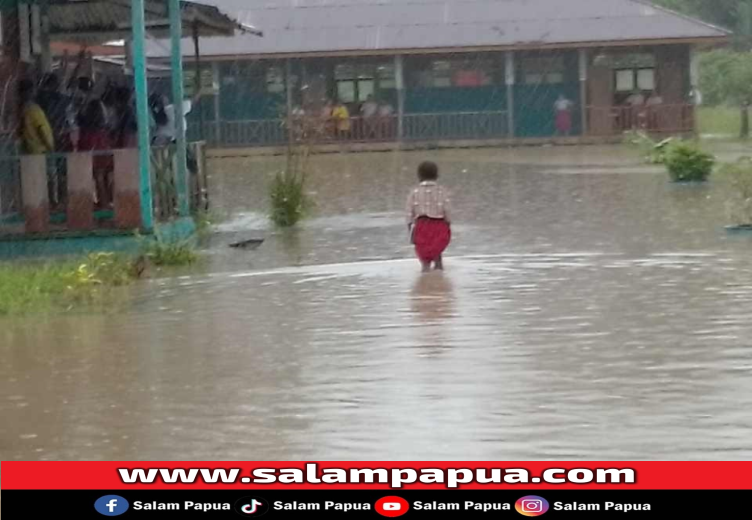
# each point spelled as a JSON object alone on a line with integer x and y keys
{"x": 289, "y": 200}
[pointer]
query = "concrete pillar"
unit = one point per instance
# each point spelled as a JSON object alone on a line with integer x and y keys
{"x": 127, "y": 189}
{"x": 288, "y": 99}
{"x": 80, "y": 191}
{"x": 217, "y": 104}
{"x": 509, "y": 67}
{"x": 600, "y": 97}
{"x": 672, "y": 65}
{"x": 583, "y": 66}
{"x": 34, "y": 194}
{"x": 181, "y": 156}
{"x": 142, "y": 111}
{"x": 399, "y": 79}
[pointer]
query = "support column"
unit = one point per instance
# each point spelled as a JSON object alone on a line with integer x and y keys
{"x": 181, "y": 160}
{"x": 45, "y": 39}
{"x": 34, "y": 195}
{"x": 142, "y": 112}
{"x": 217, "y": 104}
{"x": 510, "y": 81}
{"x": 127, "y": 197}
{"x": 694, "y": 90}
{"x": 24, "y": 32}
{"x": 399, "y": 78}
{"x": 289, "y": 107}
{"x": 80, "y": 191}
{"x": 198, "y": 80}
{"x": 583, "y": 62}
{"x": 128, "y": 48}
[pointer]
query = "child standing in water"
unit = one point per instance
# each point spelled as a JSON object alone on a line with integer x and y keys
{"x": 428, "y": 217}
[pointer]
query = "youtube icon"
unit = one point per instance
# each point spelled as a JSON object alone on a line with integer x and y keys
{"x": 392, "y": 506}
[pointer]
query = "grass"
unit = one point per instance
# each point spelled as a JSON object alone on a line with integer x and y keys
{"x": 289, "y": 201}
{"x": 28, "y": 288}
{"x": 204, "y": 220}
{"x": 163, "y": 253}
{"x": 719, "y": 121}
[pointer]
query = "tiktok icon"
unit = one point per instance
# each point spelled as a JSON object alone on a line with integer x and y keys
{"x": 251, "y": 506}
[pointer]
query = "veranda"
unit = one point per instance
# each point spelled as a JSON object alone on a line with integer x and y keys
{"x": 154, "y": 193}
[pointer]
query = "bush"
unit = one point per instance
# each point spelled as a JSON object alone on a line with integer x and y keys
{"x": 653, "y": 151}
{"x": 687, "y": 163}
{"x": 289, "y": 202}
{"x": 740, "y": 203}
{"x": 163, "y": 253}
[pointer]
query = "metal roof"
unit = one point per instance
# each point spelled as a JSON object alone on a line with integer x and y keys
{"x": 98, "y": 21}
{"x": 337, "y": 26}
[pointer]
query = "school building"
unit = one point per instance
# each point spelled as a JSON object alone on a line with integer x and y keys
{"x": 450, "y": 69}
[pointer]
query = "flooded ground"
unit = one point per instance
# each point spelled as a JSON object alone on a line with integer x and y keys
{"x": 590, "y": 310}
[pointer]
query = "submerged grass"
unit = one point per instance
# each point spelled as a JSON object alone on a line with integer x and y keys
{"x": 29, "y": 288}
{"x": 164, "y": 253}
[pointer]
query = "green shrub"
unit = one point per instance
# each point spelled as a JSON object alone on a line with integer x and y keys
{"x": 687, "y": 163}
{"x": 653, "y": 151}
{"x": 289, "y": 202}
{"x": 740, "y": 202}
{"x": 164, "y": 253}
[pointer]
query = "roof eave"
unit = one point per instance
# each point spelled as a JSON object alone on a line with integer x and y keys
{"x": 521, "y": 46}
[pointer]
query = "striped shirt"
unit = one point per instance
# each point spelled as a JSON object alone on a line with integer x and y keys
{"x": 428, "y": 200}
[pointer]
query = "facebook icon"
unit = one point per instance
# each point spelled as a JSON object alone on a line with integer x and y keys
{"x": 111, "y": 505}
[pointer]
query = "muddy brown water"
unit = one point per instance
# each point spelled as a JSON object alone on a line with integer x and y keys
{"x": 590, "y": 310}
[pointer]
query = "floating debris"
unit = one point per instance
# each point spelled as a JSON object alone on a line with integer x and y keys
{"x": 252, "y": 243}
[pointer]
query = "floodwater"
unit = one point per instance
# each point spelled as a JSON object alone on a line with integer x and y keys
{"x": 590, "y": 310}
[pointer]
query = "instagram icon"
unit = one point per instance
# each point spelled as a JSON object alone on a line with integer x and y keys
{"x": 531, "y": 505}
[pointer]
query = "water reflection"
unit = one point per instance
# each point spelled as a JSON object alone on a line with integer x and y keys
{"x": 433, "y": 304}
{"x": 433, "y": 297}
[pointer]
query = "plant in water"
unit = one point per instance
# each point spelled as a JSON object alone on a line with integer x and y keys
{"x": 288, "y": 198}
{"x": 687, "y": 163}
{"x": 165, "y": 253}
{"x": 289, "y": 201}
{"x": 653, "y": 151}
{"x": 204, "y": 220}
{"x": 740, "y": 203}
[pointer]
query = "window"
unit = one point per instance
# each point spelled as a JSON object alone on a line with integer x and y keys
{"x": 460, "y": 72}
{"x": 386, "y": 76}
{"x": 628, "y": 80}
{"x": 646, "y": 79}
{"x": 625, "y": 80}
{"x": 346, "y": 91}
{"x": 543, "y": 69}
{"x": 355, "y": 82}
{"x": 275, "y": 80}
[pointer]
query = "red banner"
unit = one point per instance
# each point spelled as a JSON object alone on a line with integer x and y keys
{"x": 376, "y": 475}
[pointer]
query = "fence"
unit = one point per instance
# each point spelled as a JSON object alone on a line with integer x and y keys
{"x": 416, "y": 127}
{"x": 665, "y": 119}
{"x": 58, "y": 192}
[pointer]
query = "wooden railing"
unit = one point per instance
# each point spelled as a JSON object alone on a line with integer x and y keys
{"x": 660, "y": 119}
{"x": 415, "y": 127}
{"x": 58, "y": 191}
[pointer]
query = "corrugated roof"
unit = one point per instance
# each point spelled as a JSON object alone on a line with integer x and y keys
{"x": 97, "y": 21}
{"x": 321, "y": 26}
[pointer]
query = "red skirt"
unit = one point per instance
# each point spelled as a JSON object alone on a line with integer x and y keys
{"x": 97, "y": 140}
{"x": 431, "y": 237}
{"x": 563, "y": 120}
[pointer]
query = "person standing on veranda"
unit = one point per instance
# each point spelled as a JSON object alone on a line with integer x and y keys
{"x": 563, "y": 115}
